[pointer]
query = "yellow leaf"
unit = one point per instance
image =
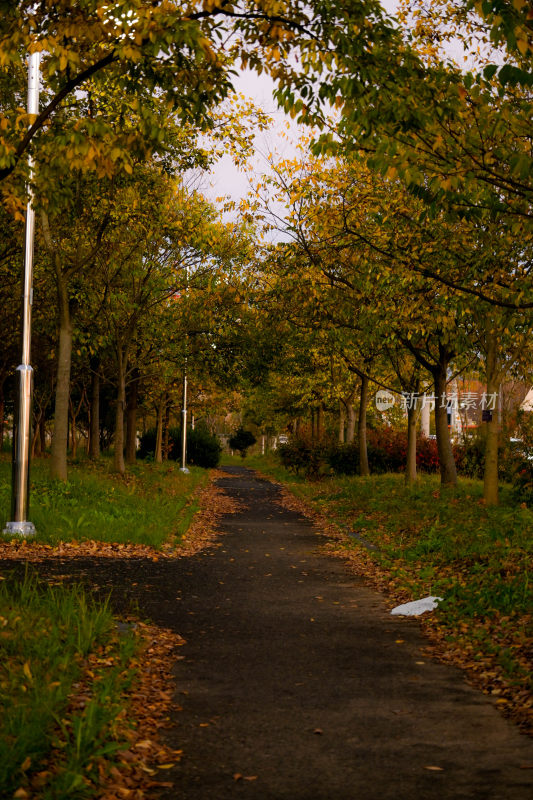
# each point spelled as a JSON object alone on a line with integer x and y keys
{"x": 522, "y": 45}
{"x": 27, "y": 671}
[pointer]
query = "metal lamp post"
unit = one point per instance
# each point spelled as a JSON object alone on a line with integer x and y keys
{"x": 22, "y": 428}
{"x": 183, "y": 467}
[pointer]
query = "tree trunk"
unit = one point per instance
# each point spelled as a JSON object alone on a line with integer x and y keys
{"x": 94, "y": 425}
{"x": 166, "y": 429}
{"x": 319, "y": 422}
{"x": 410, "y": 467}
{"x": 131, "y": 419}
{"x": 350, "y": 428}
{"x": 361, "y": 428}
{"x": 448, "y": 471}
{"x": 490, "y": 474}
{"x": 158, "y": 455}
{"x": 425, "y": 418}
{"x": 118, "y": 454}
{"x": 313, "y": 426}
{"x": 36, "y": 440}
{"x": 73, "y": 438}
{"x": 342, "y": 422}
{"x": 42, "y": 433}
{"x": 58, "y": 462}
{"x": 2, "y": 415}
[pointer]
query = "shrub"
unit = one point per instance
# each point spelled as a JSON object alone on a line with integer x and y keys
{"x": 387, "y": 452}
{"x": 427, "y": 454}
{"x": 241, "y": 441}
{"x": 302, "y": 455}
{"x": 203, "y": 448}
{"x": 469, "y": 457}
{"x": 344, "y": 459}
{"x": 523, "y": 483}
{"x": 147, "y": 444}
{"x": 512, "y": 459}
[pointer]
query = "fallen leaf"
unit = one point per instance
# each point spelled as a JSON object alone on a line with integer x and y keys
{"x": 435, "y": 769}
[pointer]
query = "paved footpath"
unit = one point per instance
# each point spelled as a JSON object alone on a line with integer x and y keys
{"x": 296, "y": 678}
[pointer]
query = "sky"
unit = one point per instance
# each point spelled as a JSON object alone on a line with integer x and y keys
{"x": 225, "y": 179}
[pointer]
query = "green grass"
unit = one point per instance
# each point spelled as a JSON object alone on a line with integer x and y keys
{"x": 445, "y": 542}
{"x": 56, "y": 643}
{"x": 144, "y": 507}
{"x": 48, "y": 637}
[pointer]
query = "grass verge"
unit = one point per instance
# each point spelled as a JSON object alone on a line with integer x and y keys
{"x": 71, "y": 686}
{"x": 63, "y": 673}
{"x": 446, "y": 542}
{"x": 149, "y": 503}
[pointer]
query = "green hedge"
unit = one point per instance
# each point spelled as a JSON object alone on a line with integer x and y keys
{"x": 203, "y": 448}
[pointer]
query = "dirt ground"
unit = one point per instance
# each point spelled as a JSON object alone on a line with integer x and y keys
{"x": 295, "y": 681}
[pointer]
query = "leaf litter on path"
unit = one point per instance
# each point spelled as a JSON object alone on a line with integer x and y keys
{"x": 482, "y": 670}
{"x": 133, "y": 773}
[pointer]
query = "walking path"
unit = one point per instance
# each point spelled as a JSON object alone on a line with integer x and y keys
{"x": 297, "y": 683}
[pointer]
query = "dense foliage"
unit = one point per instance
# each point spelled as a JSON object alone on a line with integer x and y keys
{"x": 387, "y": 452}
{"x": 203, "y": 447}
{"x": 241, "y": 440}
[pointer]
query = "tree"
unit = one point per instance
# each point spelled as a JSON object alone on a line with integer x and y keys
{"x": 183, "y": 53}
{"x": 241, "y": 441}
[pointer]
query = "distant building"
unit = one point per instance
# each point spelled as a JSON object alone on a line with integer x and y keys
{"x": 527, "y": 402}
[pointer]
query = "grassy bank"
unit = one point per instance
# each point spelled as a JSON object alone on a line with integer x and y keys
{"x": 151, "y": 502}
{"x": 444, "y": 542}
{"x": 63, "y": 672}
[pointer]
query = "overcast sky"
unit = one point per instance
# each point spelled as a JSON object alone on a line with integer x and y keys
{"x": 225, "y": 179}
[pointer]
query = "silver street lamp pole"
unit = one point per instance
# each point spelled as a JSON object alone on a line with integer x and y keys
{"x": 183, "y": 467}
{"x": 21, "y": 433}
